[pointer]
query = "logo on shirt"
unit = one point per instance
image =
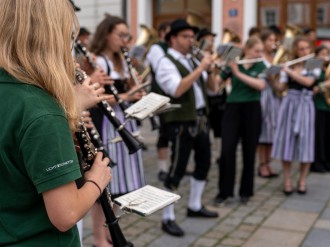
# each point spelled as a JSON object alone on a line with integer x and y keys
{"x": 59, "y": 165}
{"x": 254, "y": 73}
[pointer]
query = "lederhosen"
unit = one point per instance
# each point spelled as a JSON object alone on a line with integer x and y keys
{"x": 187, "y": 130}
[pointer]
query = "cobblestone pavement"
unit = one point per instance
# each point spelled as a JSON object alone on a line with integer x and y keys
{"x": 270, "y": 219}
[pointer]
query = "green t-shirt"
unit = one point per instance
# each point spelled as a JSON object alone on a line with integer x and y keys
{"x": 240, "y": 91}
{"x": 319, "y": 99}
{"x": 36, "y": 154}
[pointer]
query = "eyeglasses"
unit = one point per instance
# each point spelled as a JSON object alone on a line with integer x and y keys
{"x": 124, "y": 36}
{"x": 187, "y": 36}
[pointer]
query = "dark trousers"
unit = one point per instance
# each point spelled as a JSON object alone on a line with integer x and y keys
{"x": 185, "y": 137}
{"x": 163, "y": 140}
{"x": 241, "y": 121}
{"x": 322, "y": 140}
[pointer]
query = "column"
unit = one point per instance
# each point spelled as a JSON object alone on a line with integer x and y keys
{"x": 217, "y": 25}
{"x": 249, "y": 17}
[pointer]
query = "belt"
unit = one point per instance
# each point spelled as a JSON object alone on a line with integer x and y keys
{"x": 201, "y": 112}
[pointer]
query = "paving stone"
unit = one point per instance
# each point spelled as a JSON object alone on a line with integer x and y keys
{"x": 303, "y": 204}
{"x": 326, "y": 214}
{"x": 291, "y": 220}
{"x": 206, "y": 242}
{"x": 215, "y": 234}
{"x": 264, "y": 237}
{"x": 224, "y": 228}
{"x": 232, "y": 241}
{"x": 247, "y": 228}
{"x": 253, "y": 220}
{"x": 317, "y": 238}
{"x": 269, "y": 220}
{"x": 240, "y": 234}
{"x": 197, "y": 226}
{"x": 324, "y": 224}
{"x": 170, "y": 241}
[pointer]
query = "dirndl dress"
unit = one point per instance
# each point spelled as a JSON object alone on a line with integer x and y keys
{"x": 270, "y": 105}
{"x": 294, "y": 135}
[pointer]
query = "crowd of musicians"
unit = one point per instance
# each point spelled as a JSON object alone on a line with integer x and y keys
{"x": 56, "y": 84}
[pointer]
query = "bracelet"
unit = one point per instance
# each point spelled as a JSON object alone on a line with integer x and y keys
{"x": 91, "y": 181}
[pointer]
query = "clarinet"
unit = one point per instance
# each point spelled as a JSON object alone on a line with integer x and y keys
{"x": 98, "y": 144}
{"x": 131, "y": 143}
{"x": 88, "y": 152}
{"x": 82, "y": 49}
{"x": 133, "y": 73}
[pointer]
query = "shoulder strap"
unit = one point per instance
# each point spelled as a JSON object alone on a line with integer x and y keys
{"x": 107, "y": 64}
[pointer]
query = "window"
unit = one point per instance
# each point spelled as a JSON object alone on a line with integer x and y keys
{"x": 269, "y": 16}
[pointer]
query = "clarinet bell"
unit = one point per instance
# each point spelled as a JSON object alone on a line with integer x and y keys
{"x": 154, "y": 124}
{"x": 132, "y": 144}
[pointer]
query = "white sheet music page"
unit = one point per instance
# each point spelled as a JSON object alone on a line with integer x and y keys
{"x": 146, "y": 106}
{"x": 146, "y": 200}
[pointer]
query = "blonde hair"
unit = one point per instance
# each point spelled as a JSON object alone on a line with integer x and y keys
{"x": 252, "y": 41}
{"x": 36, "y": 47}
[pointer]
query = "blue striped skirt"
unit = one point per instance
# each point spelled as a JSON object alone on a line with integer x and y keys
{"x": 128, "y": 175}
{"x": 270, "y": 105}
{"x": 294, "y": 134}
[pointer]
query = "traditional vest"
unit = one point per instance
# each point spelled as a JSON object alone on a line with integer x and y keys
{"x": 187, "y": 112}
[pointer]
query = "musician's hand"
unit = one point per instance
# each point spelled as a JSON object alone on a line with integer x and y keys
{"x": 316, "y": 90}
{"x": 206, "y": 62}
{"x": 100, "y": 172}
{"x": 287, "y": 70}
{"x": 87, "y": 120}
{"x": 234, "y": 67}
{"x": 101, "y": 77}
{"x": 88, "y": 94}
{"x": 136, "y": 96}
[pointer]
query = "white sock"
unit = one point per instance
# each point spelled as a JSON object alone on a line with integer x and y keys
{"x": 80, "y": 229}
{"x": 196, "y": 191}
{"x": 168, "y": 213}
{"x": 162, "y": 165}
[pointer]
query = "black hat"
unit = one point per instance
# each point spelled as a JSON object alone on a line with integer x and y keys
{"x": 204, "y": 32}
{"x": 75, "y": 7}
{"x": 84, "y": 31}
{"x": 179, "y": 25}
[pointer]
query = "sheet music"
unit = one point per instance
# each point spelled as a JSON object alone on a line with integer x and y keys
{"x": 314, "y": 63}
{"x": 146, "y": 200}
{"x": 147, "y": 106}
{"x": 273, "y": 70}
{"x": 166, "y": 108}
{"x": 141, "y": 86}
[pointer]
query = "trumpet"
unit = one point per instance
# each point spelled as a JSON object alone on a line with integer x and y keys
{"x": 233, "y": 55}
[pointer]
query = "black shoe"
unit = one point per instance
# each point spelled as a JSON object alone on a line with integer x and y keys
{"x": 287, "y": 192}
{"x": 172, "y": 228}
{"x": 317, "y": 168}
{"x": 203, "y": 212}
{"x": 245, "y": 199}
{"x": 162, "y": 176}
{"x": 144, "y": 146}
{"x": 302, "y": 192}
{"x": 219, "y": 200}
